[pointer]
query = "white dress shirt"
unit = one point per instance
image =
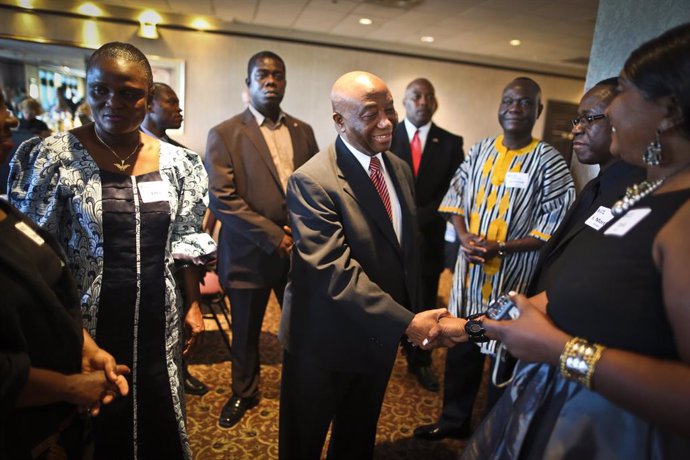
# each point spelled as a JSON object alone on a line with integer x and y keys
{"x": 364, "y": 160}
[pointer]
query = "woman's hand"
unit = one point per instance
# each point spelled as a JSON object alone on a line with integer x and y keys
{"x": 194, "y": 323}
{"x": 92, "y": 389}
{"x": 448, "y": 331}
{"x": 532, "y": 337}
{"x": 95, "y": 359}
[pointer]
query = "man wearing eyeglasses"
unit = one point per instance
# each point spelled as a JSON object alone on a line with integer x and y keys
{"x": 591, "y": 143}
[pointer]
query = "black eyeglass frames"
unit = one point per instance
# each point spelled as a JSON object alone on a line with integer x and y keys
{"x": 587, "y": 119}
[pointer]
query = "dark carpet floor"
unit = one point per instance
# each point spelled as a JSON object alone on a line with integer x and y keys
{"x": 406, "y": 405}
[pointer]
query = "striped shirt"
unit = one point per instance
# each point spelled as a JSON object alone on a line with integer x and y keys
{"x": 505, "y": 195}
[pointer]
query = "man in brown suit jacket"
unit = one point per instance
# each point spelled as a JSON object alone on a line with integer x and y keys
{"x": 249, "y": 158}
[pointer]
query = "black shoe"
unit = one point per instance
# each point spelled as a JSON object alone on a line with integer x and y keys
{"x": 193, "y": 385}
{"x": 425, "y": 377}
{"x": 234, "y": 409}
{"x": 434, "y": 432}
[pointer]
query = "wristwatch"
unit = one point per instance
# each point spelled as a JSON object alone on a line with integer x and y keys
{"x": 501, "y": 249}
{"x": 475, "y": 331}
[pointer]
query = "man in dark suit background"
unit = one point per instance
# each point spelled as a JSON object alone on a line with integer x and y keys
{"x": 353, "y": 284}
{"x": 249, "y": 158}
{"x": 433, "y": 155}
{"x": 162, "y": 114}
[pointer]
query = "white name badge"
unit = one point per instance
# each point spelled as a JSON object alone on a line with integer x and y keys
{"x": 517, "y": 180}
{"x": 153, "y": 191}
{"x": 628, "y": 221}
{"x": 29, "y": 233}
{"x": 600, "y": 218}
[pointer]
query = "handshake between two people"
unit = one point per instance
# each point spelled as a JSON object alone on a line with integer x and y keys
{"x": 436, "y": 328}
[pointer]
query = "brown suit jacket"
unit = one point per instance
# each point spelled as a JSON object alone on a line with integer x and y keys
{"x": 247, "y": 197}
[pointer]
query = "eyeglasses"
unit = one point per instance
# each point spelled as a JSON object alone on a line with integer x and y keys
{"x": 586, "y": 120}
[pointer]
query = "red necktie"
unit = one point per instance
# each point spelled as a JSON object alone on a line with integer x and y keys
{"x": 416, "y": 149}
{"x": 376, "y": 176}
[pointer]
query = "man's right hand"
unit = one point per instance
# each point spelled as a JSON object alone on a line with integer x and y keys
{"x": 285, "y": 245}
{"x": 422, "y": 323}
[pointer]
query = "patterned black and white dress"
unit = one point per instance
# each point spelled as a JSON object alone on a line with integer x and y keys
{"x": 121, "y": 242}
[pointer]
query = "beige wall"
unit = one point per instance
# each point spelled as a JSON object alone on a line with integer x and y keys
{"x": 216, "y": 68}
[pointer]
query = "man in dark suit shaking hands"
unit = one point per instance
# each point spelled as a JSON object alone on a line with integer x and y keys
{"x": 249, "y": 158}
{"x": 353, "y": 283}
{"x": 433, "y": 155}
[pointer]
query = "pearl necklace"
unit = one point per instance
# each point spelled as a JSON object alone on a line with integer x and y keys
{"x": 635, "y": 193}
{"x": 122, "y": 166}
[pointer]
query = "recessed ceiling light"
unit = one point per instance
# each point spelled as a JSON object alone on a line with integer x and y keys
{"x": 515, "y": 42}
{"x": 89, "y": 9}
{"x": 365, "y": 21}
{"x": 201, "y": 24}
{"x": 427, "y": 39}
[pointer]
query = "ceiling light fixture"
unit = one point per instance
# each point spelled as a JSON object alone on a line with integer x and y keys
{"x": 28, "y": 4}
{"x": 201, "y": 24}
{"x": 365, "y": 21}
{"x": 89, "y": 9}
{"x": 515, "y": 42}
{"x": 147, "y": 24}
{"x": 427, "y": 39}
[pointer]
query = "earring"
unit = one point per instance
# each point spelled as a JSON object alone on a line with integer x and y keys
{"x": 652, "y": 154}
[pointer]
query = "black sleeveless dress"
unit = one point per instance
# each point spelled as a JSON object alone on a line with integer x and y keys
{"x": 606, "y": 289}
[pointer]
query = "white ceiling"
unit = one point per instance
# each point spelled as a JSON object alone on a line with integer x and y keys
{"x": 552, "y": 32}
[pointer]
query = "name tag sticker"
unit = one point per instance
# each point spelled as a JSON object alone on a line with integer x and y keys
{"x": 628, "y": 221}
{"x": 517, "y": 180}
{"x": 153, "y": 191}
{"x": 600, "y": 218}
{"x": 29, "y": 233}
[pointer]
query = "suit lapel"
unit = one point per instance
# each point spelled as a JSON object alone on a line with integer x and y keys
{"x": 356, "y": 183}
{"x": 404, "y": 196}
{"x": 253, "y": 132}
{"x": 403, "y": 143}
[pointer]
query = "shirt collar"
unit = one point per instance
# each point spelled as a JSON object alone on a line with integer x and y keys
{"x": 260, "y": 117}
{"x": 148, "y": 132}
{"x": 410, "y": 128}
{"x": 362, "y": 157}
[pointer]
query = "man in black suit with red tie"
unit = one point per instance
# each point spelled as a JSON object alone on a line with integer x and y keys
{"x": 433, "y": 155}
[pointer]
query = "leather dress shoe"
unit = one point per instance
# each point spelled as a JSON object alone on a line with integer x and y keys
{"x": 425, "y": 377}
{"x": 434, "y": 432}
{"x": 234, "y": 409}
{"x": 193, "y": 385}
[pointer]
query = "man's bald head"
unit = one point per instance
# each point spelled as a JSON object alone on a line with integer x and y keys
{"x": 363, "y": 111}
{"x": 520, "y": 107}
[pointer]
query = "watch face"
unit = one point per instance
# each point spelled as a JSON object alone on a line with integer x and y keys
{"x": 474, "y": 328}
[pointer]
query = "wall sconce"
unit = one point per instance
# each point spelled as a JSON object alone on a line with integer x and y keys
{"x": 148, "y": 20}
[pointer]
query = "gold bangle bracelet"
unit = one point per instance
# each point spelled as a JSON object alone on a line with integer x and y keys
{"x": 579, "y": 359}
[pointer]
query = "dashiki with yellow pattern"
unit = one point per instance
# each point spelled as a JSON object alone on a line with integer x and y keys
{"x": 502, "y": 210}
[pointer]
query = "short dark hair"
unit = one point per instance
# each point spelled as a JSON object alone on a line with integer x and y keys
{"x": 660, "y": 67}
{"x": 119, "y": 50}
{"x": 262, "y": 55}
{"x": 157, "y": 85}
{"x": 530, "y": 81}
{"x": 612, "y": 82}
